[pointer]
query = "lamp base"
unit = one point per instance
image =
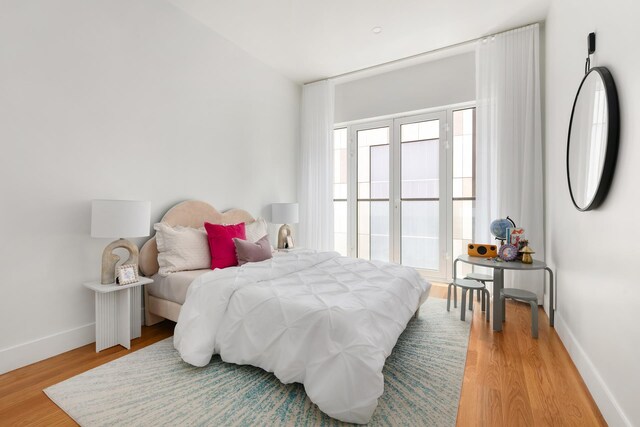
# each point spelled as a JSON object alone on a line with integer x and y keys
{"x": 285, "y": 237}
{"x": 109, "y": 259}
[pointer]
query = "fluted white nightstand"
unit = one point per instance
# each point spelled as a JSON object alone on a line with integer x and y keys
{"x": 118, "y": 313}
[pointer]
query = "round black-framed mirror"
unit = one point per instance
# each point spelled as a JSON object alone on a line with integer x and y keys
{"x": 592, "y": 143}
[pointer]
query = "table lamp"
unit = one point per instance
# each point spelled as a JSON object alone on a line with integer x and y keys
{"x": 284, "y": 213}
{"x": 118, "y": 219}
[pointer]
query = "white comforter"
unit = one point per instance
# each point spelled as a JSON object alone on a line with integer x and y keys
{"x": 326, "y": 321}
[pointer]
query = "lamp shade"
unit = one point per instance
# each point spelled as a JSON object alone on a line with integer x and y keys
{"x": 284, "y": 213}
{"x": 120, "y": 218}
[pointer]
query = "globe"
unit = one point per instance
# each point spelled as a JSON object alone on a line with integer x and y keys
{"x": 499, "y": 228}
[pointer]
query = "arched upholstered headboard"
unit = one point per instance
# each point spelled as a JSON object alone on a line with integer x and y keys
{"x": 191, "y": 213}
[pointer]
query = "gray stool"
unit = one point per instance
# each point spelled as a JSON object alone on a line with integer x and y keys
{"x": 524, "y": 296}
{"x": 482, "y": 278}
{"x": 466, "y": 285}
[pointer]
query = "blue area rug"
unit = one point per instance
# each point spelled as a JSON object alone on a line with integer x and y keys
{"x": 153, "y": 387}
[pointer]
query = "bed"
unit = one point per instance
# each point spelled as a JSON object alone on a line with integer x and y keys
{"x": 317, "y": 318}
{"x": 190, "y": 213}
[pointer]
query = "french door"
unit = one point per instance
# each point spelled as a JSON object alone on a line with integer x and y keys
{"x": 398, "y": 177}
{"x": 404, "y": 189}
{"x": 420, "y": 182}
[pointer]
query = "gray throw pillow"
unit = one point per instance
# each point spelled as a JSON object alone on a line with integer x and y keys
{"x": 252, "y": 252}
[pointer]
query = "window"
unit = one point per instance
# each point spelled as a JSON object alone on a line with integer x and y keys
{"x": 421, "y": 235}
{"x": 373, "y": 193}
{"x": 464, "y": 182}
{"x": 340, "y": 190}
{"x": 404, "y": 189}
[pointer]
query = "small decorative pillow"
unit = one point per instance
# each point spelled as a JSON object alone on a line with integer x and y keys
{"x": 181, "y": 248}
{"x": 256, "y": 230}
{"x": 223, "y": 251}
{"x": 247, "y": 251}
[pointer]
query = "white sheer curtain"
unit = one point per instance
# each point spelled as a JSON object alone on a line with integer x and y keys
{"x": 315, "y": 187}
{"x": 509, "y": 142}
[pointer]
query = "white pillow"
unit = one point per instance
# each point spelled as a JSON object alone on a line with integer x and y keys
{"x": 256, "y": 230}
{"x": 181, "y": 248}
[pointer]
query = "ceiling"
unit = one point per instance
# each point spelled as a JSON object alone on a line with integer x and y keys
{"x": 308, "y": 40}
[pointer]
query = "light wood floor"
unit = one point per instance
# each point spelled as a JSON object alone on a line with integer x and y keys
{"x": 510, "y": 379}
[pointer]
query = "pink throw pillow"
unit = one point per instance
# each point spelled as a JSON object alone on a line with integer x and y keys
{"x": 252, "y": 252}
{"x": 223, "y": 251}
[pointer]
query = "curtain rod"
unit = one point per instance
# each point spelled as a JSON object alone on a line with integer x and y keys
{"x": 417, "y": 55}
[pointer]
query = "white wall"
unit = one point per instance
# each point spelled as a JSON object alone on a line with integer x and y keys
{"x": 431, "y": 84}
{"x": 119, "y": 99}
{"x": 595, "y": 254}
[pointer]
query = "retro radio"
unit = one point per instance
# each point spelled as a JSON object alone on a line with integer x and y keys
{"x": 486, "y": 251}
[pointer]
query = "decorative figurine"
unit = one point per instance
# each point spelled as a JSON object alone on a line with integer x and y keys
{"x": 526, "y": 255}
{"x": 521, "y": 244}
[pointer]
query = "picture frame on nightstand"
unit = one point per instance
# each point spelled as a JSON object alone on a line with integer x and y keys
{"x": 127, "y": 274}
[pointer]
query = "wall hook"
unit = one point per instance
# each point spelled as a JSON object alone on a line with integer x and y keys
{"x": 591, "y": 48}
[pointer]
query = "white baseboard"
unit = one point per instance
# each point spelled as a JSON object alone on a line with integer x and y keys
{"x": 43, "y": 348}
{"x": 609, "y": 407}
